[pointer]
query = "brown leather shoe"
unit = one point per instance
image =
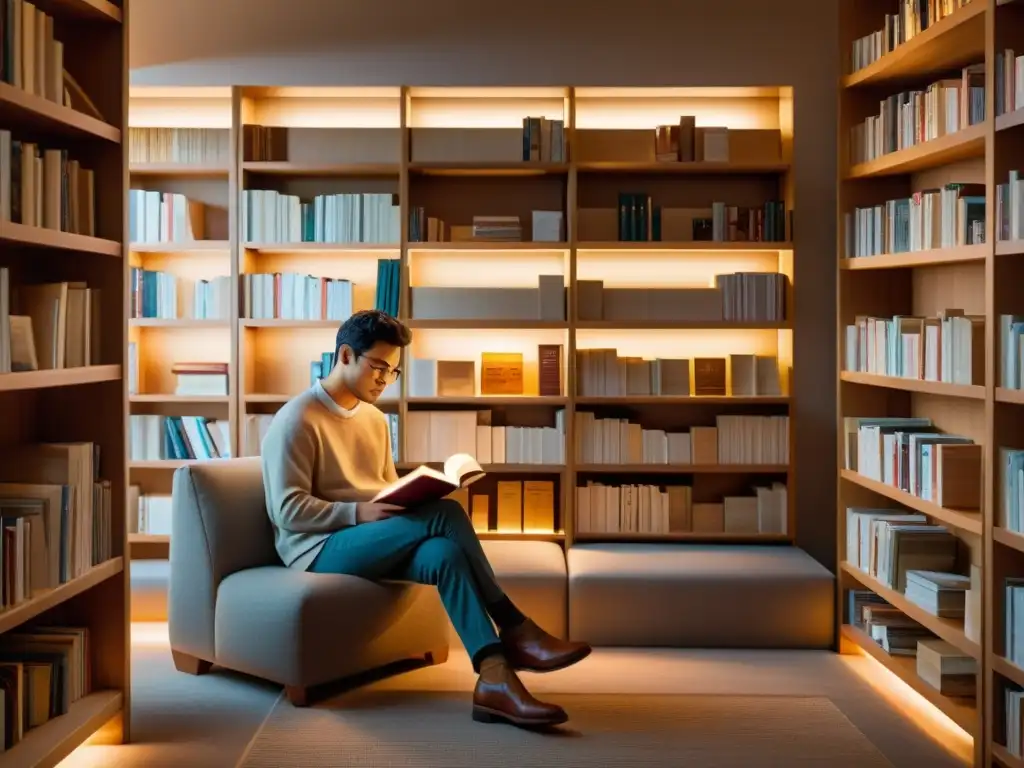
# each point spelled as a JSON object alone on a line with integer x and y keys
{"x": 531, "y": 648}
{"x": 500, "y": 696}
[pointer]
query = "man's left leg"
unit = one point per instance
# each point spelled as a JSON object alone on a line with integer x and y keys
{"x": 526, "y": 645}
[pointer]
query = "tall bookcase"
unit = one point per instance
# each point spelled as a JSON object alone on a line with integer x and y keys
{"x": 64, "y": 113}
{"x": 976, "y": 269}
{"x": 452, "y": 154}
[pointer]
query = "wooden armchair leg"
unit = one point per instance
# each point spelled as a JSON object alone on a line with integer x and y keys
{"x": 298, "y": 695}
{"x": 183, "y": 662}
{"x": 440, "y": 656}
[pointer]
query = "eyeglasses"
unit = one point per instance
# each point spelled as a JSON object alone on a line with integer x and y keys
{"x": 384, "y": 372}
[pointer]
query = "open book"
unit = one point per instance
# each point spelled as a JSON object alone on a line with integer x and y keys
{"x": 424, "y": 485}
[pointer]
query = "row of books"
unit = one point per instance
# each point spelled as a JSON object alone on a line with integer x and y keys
{"x": 387, "y": 297}
{"x": 432, "y": 436}
{"x": 161, "y": 438}
{"x": 292, "y": 296}
{"x": 546, "y": 226}
{"x": 44, "y": 670}
{"x": 887, "y": 544}
{"x": 1009, "y": 81}
{"x": 1011, "y": 351}
{"x": 544, "y": 140}
{"x": 48, "y": 326}
{"x": 912, "y": 117}
{"x": 188, "y": 146}
{"x": 734, "y": 440}
{"x": 1013, "y": 718}
{"x": 736, "y": 297}
{"x": 152, "y": 293}
{"x": 931, "y": 218}
{"x": 149, "y": 512}
{"x": 44, "y": 187}
{"x": 913, "y": 17}
{"x": 602, "y": 373}
{"x": 55, "y": 510}
{"x": 641, "y": 220}
{"x": 940, "y": 664}
{"x": 515, "y": 506}
{"x": 1012, "y": 481}
{"x": 949, "y": 348}
{"x": 1009, "y": 222}
{"x": 268, "y": 216}
{"x": 31, "y": 57}
{"x": 911, "y": 454}
{"x": 164, "y": 217}
{"x": 657, "y": 509}
{"x": 501, "y": 373}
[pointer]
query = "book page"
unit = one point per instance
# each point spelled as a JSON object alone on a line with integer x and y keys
{"x": 462, "y": 469}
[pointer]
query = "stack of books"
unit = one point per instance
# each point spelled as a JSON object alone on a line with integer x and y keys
{"x": 201, "y": 379}
{"x": 941, "y": 594}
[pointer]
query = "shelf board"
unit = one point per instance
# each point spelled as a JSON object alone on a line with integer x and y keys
{"x": 61, "y": 377}
{"x": 28, "y": 112}
{"x": 684, "y": 469}
{"x": 1015, "y": 396}
{"x": 690, "y": 168}
{"x": 732, "y": 538}
{"x": 1010, "y": 248}
{"x": 495, "y": 469}
{"x": 1008, "y": 538}
{"x": 186, "y": 246}
{"x": 170, "y": 399}
{"x": 53, "y": 741}
{"x": 489, "y": 169}
{"x": 1003, "y": 756}
{"x": 149, "y": 538}
{"x": 952, "y": 42}
{"x": 81, "y": 10}
{"x": 320, "y": 247}
{"x": 248, "y": 322}
{"x": 934, "y": 257}
{"x": 949, "y": 630}
{"x": 495, "y": 400}
{"x": 159, "y": 322}
{"x": 489, "y": 245}
{"x": 1010, "y": 120}
{"x": 962, "y": 711}
{"x": 968, "y": 143}
{"x": 697, "y": 325}
{"x": 40, "y": 237}
{"x": 520, "y": 536}
{"x": 166, "y": 464}
{"x": 964, "y": 521}
{"x": 281, "y": 168}
{"x": 180, "y": 170}
{"x": 482, "y": 325}
{"x": 684, "y": 400}
{"x": 1008, "y": 669}
{"x": 684, "y": 245}
{"x": 17, "y": 615}
{"x": 968, "y": 391}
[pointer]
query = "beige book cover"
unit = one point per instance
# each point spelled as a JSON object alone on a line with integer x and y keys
{"x": 510, "y": 506}
{"x": 539, "y": 505}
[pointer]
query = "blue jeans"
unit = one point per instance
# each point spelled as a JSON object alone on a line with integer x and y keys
{"x": 433, "y": 544}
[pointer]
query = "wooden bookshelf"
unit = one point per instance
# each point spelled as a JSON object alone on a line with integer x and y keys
{"x": 84, "y": 404}
{"x": 977, "y": 276}
{"x": 377, "y": 149}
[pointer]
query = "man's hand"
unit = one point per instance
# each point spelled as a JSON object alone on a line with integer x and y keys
{"x": 369, "y": 511}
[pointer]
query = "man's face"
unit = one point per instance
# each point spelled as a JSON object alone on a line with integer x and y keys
{"x": 367, "y": 375}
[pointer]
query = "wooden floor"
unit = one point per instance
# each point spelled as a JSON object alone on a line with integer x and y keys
{"x": 208, "y": 722}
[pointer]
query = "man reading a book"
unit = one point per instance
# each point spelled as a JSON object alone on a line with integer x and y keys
{"x": 327, "y": 455}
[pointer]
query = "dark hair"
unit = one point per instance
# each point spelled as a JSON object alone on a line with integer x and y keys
{"x": 367, "y": 327}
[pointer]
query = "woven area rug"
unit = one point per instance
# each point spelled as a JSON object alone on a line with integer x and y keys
{"x": 414, "y": 729}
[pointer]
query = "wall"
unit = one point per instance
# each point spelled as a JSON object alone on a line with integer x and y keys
{"x": 563, "y": 42}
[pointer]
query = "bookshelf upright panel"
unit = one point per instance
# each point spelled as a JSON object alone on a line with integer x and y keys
{"x": 63, "y": 328}
{"x": 915, "y": 332}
